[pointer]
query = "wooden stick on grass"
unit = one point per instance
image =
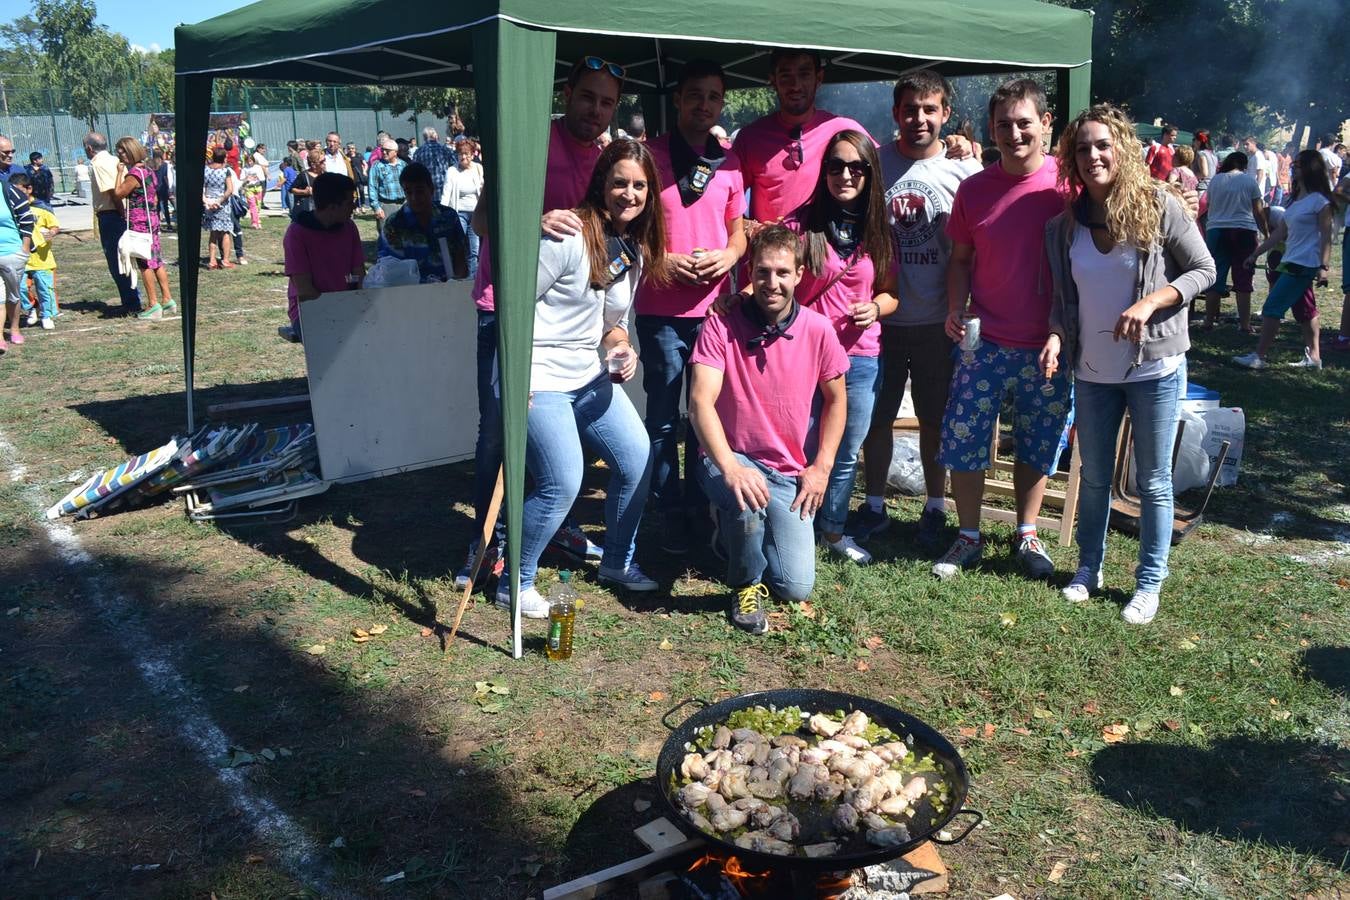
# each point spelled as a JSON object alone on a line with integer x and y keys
{"x": 484, "y": 539}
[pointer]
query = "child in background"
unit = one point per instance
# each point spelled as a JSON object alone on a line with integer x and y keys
{"x": 284, "y": 182}
{"x": 41, "y": 267}
{"x": 253, "y": 187}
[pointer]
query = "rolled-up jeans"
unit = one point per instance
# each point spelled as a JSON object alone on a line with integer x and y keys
{"x": 666, "y": 342}
{"x": 773, "y": 545}
{"x": 863, "y": 383}
{"x": 1153, "y": 417}
{"x": 600, "y": 416}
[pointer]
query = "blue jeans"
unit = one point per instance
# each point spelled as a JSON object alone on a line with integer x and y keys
{"x": 487, "y": 452}
{"x": 601, "y": 416}
{"x": 775, "y": 545}
{"x": 863, "y": 383}
{"x": 465, "y": 220}
{"x": 44, "y": 284}
{"x": 111, "y": 225}
{"x": 1153, "y": 416}
{"x": 666, "y": 342}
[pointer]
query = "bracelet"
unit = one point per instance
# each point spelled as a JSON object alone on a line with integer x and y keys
{"x": 878, "y": 306}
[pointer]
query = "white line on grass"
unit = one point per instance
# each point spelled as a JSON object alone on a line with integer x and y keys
{"x": 200, "y": 316}
{"x": 296, "y": 850}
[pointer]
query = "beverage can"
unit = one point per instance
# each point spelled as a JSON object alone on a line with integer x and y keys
{"x": 971, "y": 339}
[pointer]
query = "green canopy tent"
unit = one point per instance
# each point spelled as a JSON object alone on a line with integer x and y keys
{"x": 513, "y": 52}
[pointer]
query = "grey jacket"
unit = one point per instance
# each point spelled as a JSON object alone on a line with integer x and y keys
{"x": 1179, "y": 259}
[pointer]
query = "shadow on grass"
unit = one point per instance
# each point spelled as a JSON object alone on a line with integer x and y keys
{"x": 1329, "y": 665}
{"x": 1281, "y": 793}
{"x": 97, "y": 778}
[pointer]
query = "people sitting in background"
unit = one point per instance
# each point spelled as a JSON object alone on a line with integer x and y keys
{"x": 425, "y": 231}
{"x": 136, "y": 188}
{"x": 584, "y": 291}
{"x": 756, "y": 371}
{"x": 322, "y": 247}
{"x": 41, "y": 267}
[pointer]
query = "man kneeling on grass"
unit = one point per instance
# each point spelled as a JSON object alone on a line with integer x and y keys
{"x": 755, "y": 373}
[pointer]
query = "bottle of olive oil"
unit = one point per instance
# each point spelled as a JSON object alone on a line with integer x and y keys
{"x": 562, "y": 616}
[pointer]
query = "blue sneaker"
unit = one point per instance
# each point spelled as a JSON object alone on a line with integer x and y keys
{"x": 631, "y": 579}
{"x": 865, "y": 523}
{"x": 571, "y": 540}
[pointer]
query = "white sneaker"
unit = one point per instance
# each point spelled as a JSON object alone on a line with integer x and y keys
{"x": 532, "y": 603}
{"x": 1307, "y": 362}
{"x": 47, "y": 324}
{"x": 1141, "y": 609}
{"x": 849, "y": 549}
{"x": 32, "y": 317}
{"x": 963, "y": 554}
{"x": 1250, "y": 361}
{"x": 1081, "y": 586}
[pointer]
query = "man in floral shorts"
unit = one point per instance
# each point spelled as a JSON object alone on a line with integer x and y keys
{"x": 997, "y": 228}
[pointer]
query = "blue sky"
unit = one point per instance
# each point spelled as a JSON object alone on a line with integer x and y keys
{"x": 147, "y": 24}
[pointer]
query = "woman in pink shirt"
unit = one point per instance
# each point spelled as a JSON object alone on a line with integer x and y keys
{"x": 848, "y": 278}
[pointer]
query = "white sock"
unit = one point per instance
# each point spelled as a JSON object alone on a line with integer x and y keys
{"x": 876, "y": 503}
{"x": 971, "y": 534}
{"x": 1024, "y": 530}
{"x": 935, "y": 503}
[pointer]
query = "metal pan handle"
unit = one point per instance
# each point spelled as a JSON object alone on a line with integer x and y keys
{"x": 665, "y": 720}
{"x": 979, "y": 817}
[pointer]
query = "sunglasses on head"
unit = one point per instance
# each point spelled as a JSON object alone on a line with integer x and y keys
{"x": 856, "y": 167}
{"x": 596, "y": 64}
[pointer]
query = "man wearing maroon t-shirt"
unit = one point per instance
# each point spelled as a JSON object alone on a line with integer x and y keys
{"x": 1160, "y": 154}
{"x": 591, "y": 95}
{"x": 781, "y": 153}
{"x": 703, "y": 201}
{"x": 757, "y": 369}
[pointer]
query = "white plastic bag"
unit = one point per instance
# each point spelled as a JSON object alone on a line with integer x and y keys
{"x": 1225, "y": 424}
{"x": 1192, "y": 467}
{"x": 906, "y": 473}
{"x": 390, "y": 272}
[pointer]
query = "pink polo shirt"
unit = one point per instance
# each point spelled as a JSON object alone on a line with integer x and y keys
{"x": 703, "y": 224}
{"x": 765, "y": 403}
{"x": 778, "y": 182}
{"x": 1004, "y": 217}
{"x": 570, "y": 164}
{"x": 835, "y": 302}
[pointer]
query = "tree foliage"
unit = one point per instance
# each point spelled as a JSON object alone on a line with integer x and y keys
{"x": 90, "y": 61}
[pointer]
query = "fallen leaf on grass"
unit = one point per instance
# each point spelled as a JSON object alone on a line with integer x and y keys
{"x": 656, "y": 695}
{"x": 1024, "y": 732}
{"x": 1171, "y": 724}
{"x": 316, "y": 649}
{"x": 666, "y": 644}
{"x": 861, "y": 665}
{"x": 806, "y": 609}
{"x": 360, "y": 633}
{"x": 1280, "y": 715}
{"x": 1114, "y": 734}
{"x": 989, "y": 729}
{"x": 378, "y": 629}
{"x": 1091, "y": 708}
{"x": 1074, "y": 753}
{"x": 1008, "y": 619}
{"x": 1186, "y": 645}
{"x": 427, "y": 632}
{"x": 968, "y": 732}
{"x": 483, "y": 688}
{"x": 1040, "y": 713}
{"x": 1175, "y": 691}
{"x": 874, "y": 642}
{"x": 1057, "y": 871}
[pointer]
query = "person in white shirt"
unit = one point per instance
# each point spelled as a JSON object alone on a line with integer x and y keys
{"x": 1236, "y": 215}
{"x": 585, "y": 295}
{"x": 1259, "y": 167}
{"x": 463, "y": 187}
{"x": 1330, "y": 158}
{"x": 260, "y": 160}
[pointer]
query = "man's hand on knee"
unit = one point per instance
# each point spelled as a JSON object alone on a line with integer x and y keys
{"x": 748, "y": 486}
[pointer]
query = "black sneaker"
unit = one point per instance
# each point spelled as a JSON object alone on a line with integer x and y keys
{"x": 748, "y": 609}
{"x": 931, "y": 525}
{"x": 865, "y": 523}
{"x": 675, "y": 534}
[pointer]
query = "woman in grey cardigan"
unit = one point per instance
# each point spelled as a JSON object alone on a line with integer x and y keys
{"x": 1126, "y": 260}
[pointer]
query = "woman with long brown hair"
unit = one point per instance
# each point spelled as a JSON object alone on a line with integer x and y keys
{"x": 585, "y": 288}
{"x": 1126, "y": 260}
{"x": 849, "y": 279}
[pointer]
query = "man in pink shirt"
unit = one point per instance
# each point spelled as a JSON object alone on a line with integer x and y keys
{"x": 703, "y": 199}
{"x": 997, "y": 228}
{"x": 591, "y": 94}
{"x": 781, "y": 153}
{"x": 756, "y": 371}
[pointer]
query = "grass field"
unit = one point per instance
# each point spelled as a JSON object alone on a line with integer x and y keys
{"x": 478, "y": 776}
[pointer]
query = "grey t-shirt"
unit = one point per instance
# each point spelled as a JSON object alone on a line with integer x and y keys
{"x": 1230, "y": 201}
{"x": 919, "y": 196}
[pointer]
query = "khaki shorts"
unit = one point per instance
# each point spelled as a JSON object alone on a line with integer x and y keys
{"x": 923, "y": 354}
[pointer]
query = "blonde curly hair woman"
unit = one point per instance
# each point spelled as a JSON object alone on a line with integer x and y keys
{"x": 1126, "y": 260}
